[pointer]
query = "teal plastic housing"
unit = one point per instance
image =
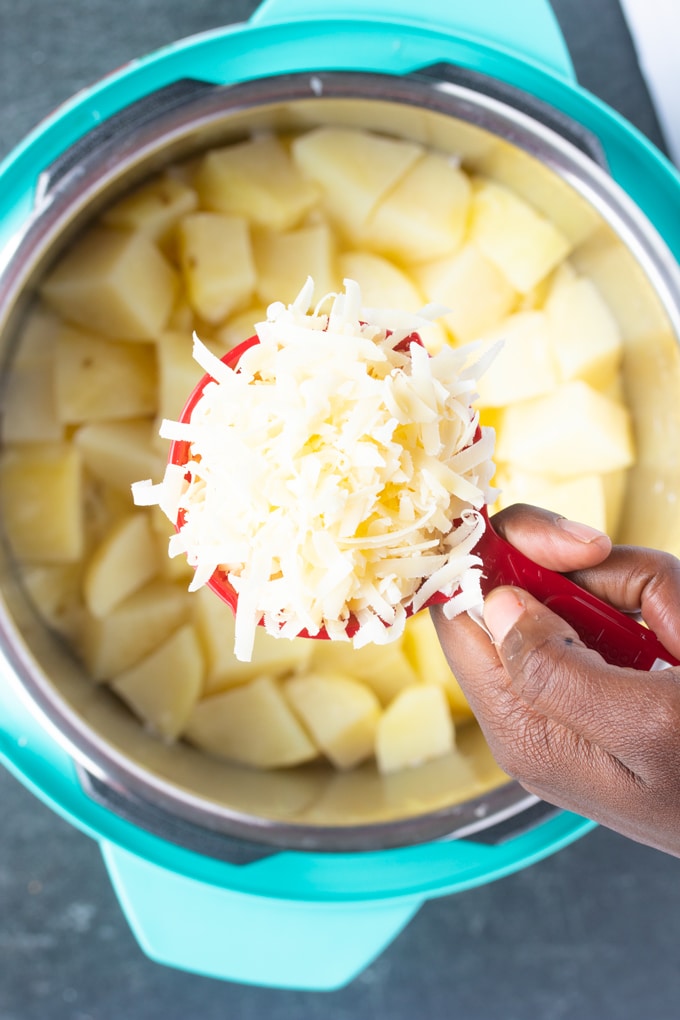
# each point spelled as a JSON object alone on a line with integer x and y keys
{"x": 306, "y": 920}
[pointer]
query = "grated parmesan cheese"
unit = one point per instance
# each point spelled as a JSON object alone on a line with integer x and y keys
{"x": 326, "y": 470}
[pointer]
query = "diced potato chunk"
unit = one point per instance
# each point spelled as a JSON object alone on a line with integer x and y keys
{"x": 383, "y": 285}
{"x": 98, "y": 379}
{"x": 252, "y": 725}
{"x": 256, "y": 179}
{"x": 173, "y": 568}
{"x": 41, "y": 493}
{"x": 103, "y": 506}
{"x": 216, "y": 629}
{"x": 29, "y": 413}
{"x": 415, "y": 728}
{"x": 240, "y": 327}
{"x": 115, "y": 283}
{"x": 581, "y": 497}
{"x": 524, "y": 366}
{"x": 154, "y": 208}
{"x": 217, "y": 263}
{"x": 284, "y": 261}
{"x": 384, "y": 668}
{"x": 124, "y": 561}
{"x": 133, "y": 629}
{"x": 55, "y": 592}
{"x": 523, "y": 244}
{"x": 178, "y": 374}
{"x": 476, "y": 291}
{"x": 425, "y": 215}
{"x": 163, "y": 688}
{"x": 340, "y": 714}
{"x": 547, "y": 192}
{"x": 423, "y": 649}
{"x": 572, "y": 431}
{"x": 615, "y": 486}
{"x": 354, "y": 170}
{"x": 120, "y": 452}
{"x": 586, "y": 335}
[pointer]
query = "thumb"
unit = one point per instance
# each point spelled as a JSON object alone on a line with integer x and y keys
{"x": 556, "y": 675}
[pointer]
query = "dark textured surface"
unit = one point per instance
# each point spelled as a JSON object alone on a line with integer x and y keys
{"x": 591, "y": 933}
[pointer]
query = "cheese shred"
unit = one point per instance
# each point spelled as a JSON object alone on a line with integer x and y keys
{"x": 335, "y": 475}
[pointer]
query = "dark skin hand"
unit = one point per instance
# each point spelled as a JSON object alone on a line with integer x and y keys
{"x": 587, "y": 736}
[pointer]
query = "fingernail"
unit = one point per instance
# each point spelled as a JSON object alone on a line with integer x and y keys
{"x": 502, "y": 609}
{"x": 582, "y": 532}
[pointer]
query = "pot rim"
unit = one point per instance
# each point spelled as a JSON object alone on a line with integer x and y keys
{"x": 64, "y": 198}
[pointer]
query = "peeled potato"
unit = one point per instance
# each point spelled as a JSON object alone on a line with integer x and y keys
{"x": 114, "y": 282}
{"x": 354, "y": 170}
{"x": 42, "y": 506}
{"x": 340, "y": 713}
{"x": 252, "y": 725}
{"x": 415, "y": 728}
{"x": 97, "y": 379}
{"x": 163, "y": 688}
{"x": 256, "y": 179}
{"x": 124, "y": 561}
{"x": 521, "y": 242}
{"x": 217, "y": 263}
{"x": 133, "y": 628}
{"x": 573, "y": 430}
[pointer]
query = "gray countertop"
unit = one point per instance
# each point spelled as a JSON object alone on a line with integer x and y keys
{"x": 589, "y": 933}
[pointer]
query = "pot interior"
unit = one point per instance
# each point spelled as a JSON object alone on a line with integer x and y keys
{"x": 456, "y": 789}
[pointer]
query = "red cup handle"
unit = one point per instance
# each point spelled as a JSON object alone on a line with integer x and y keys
{"x": 618, "y": 637}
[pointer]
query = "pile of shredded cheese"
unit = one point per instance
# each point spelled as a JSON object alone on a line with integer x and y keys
{"x": 332, "y": 476}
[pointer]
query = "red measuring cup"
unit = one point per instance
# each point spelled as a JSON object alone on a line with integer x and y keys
{"x": 617, "y": 636}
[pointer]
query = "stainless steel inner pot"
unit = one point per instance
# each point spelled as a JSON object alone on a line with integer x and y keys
{"x": 177, "y": 791}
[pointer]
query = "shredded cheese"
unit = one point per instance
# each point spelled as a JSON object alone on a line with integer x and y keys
{"x": 335, "y": 475}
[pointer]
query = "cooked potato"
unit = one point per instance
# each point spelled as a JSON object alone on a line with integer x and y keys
{"x": 423, "y": 650}
{"x": 41, "y": 497}
{"x": 415, "y": 728}
{"x": 217, "y": 263}
{"x": 384, "y": 668}
{"x": 424, "y": 216}
{"x": 253, "y": 725}
{"x": 256, "y": 179}
{"x": 283, "y": 262}
{"x": 120, "y": 452}
{"x": 581, "y": 497}
{"x": 525, "y": 365}
{"x": 340, "y": 713}
{"x": 97, "y": 379}
{"x": 29, "y": 406}
{"x": 133, "y": 629}
{"x": 115, "y": 283}
{"x": 585, "y": 334}
{"x": 524, "y": 245}
{"x": 215, "y": 626}
{"x": 123, "y": 562}
{"x": 477, "y": 293}
{"x": 154, "y": 209}
{"x": 354, "y": 170}
{"x": 163, "y": 688}
{"x": 572, "y": 431}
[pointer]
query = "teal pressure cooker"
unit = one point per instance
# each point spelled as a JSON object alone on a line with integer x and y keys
{"x": 219, "y": 870}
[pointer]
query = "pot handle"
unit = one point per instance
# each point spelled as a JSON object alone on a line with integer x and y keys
{"x": 529, "y": 29}
{"x": 188, "y": 924}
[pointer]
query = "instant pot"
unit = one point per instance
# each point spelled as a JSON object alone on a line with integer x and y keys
{"x": 300, "y": 879}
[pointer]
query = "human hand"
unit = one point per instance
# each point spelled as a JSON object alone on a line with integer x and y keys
{"x": 587, "y": 736}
